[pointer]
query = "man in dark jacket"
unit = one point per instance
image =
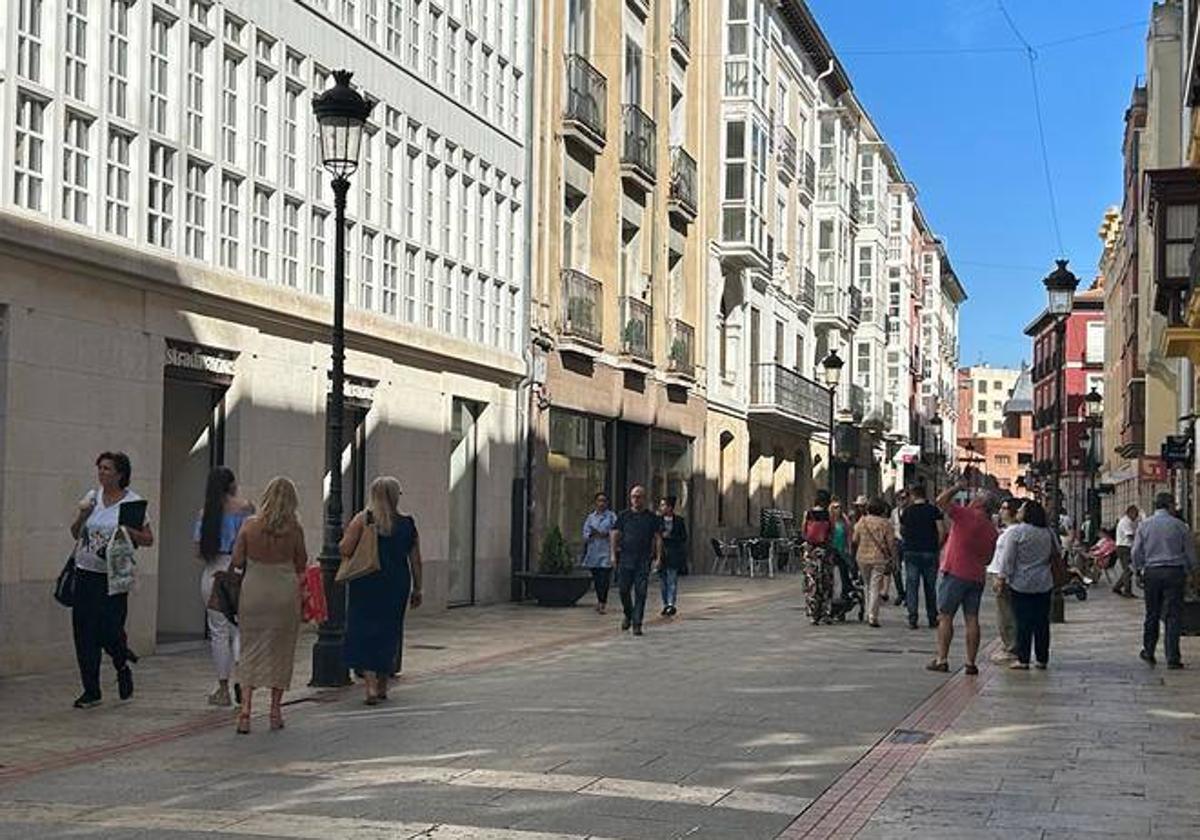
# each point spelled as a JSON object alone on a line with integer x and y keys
{"x": 636, "y": 545}
{"x": 675, "y": 552}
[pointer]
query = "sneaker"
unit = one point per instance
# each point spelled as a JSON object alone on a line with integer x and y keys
{"x": 1041, "y": 666}
{"x": 220, "y": 697}
{"x": 1175, "y": 666}
{"x": 637, "y": 630}
{"x": 1002, "y": 658}
{"x": 873, "y": 623}
{"x": 125, "y": 683}
{"x": 1019, "y": 666}
{"x": 971, "y": 670}
{"x": 665, "y": 611}
{"x": 1148, "y": 658}
{"x": 939, "y": 667}
{"x": 912, "y": 625}
{"x": 87, "y": 701}
{"x": 625, "y": 624}
{"x": 671, "y": 610}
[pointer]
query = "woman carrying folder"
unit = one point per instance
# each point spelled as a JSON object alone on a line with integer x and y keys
{"x": 98, "y": 618}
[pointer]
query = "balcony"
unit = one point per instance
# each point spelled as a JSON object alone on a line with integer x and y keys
{"x": 582, "y": 309}
{"x": 857, "y": 402}
{"x": 637, "y": 330}
{"x": 639, "y": 162}
{"x": 584, "y": 118}
{"x": 807, "y": 291}
{"x": 682, "y": 197}
{"x": 856, "y": 305}
{"x": 787, "y": 154}
{"x": 855, "y": 204}
{"x": 780, "y": 396}
{"x": 1132, "y": 442}
{"x": 808, "y": 180}
{"x": 832, "y": 306}
{"x": 681, "y": 359}
{"x": 681, "y": 30}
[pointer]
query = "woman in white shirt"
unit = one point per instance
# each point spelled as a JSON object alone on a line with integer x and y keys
{"x": 98, "y": 618}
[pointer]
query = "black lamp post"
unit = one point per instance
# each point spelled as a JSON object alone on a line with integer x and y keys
{"x": 341, "y": 112}
{"x": 1060, "y": 300}
{"x": 935, "y": 423}
{"x": 832, "y": 366}
{"x": 1094, "y": 411}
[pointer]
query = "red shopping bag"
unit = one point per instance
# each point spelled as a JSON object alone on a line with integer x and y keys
{"x": 313, "y": 605}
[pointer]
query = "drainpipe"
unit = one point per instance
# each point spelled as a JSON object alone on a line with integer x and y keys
{"x": 1187, "y": 414}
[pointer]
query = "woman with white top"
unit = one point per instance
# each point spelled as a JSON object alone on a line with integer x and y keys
{"x": 98, "y": 618}
{"x": 1007, "y": 623}
{"x": 597, "y": 556}
{"x": 216, "y": 532}
{"x": 1025, "y": 570}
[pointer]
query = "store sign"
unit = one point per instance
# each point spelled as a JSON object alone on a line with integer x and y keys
{"x": 1152, "y": 469}
{"x": 1177, "y": 450}
{"x": 195, "y": 357}
{"x": 355, "y": 388}
{"x": 909, "y": 453}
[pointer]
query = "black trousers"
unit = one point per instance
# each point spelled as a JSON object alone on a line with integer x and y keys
{"x": 632, "y": 582}
{"x": 98, "y": 623}
{"x": 1032, "y": 613}
{"x": 1164, "y": 602}
{"x": 602, "y": 580}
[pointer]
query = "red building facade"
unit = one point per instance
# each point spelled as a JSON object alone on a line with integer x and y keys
{"x": 1080, "y": 359}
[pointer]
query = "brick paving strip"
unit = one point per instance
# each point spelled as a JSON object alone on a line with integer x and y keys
{"x": 705, "y": 602}
{"x": 848, "y": 804}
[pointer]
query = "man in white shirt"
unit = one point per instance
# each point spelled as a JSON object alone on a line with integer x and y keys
{"x": 1005, "y": 619}
{"x": 1126, "y": 531}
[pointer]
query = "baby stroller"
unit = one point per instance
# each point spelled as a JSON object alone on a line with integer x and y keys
{"x": 819, "y": 600}
{"x": 853, "y": 593}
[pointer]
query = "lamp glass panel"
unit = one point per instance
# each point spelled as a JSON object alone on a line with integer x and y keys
{"x": 1060, "y": 301}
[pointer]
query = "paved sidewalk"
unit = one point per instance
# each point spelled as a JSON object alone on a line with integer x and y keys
{"x": 40, "y": 731}
{"x": 1098, "y": 747}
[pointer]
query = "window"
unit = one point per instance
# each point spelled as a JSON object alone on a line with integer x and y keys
{"x": 316, "y": 253}
{"x": 195, "y": 220}
{"x": 433, "y": 54}
{"x": 429, "y": 298}
{"x": 465, "y": 282}
{"x": 200, "y": 10}
{"x": 116, "y": 184}
{"x": 75, "y": 81}
{"x": 448, "y": 193}
{"x": 366, "y": 272}
{"x": 260, "y": 234}
{"x": 289, "y": 263}
{"x": 1095, "y": 343}
{"x": 997, "y": 405}
{"x": 260, "y": 123}
{"x": 233, "y": 29}
{"x": 452, "y": 60}
{"x": 231, "y": 189}
{"x": 371, "y": 20}
{"x": 29, "y": 39}
{"x": 983, "y": 427}
{"x": 366, "y": 176}
{"x": 982, "y": 406}
{"x": 411, "y": 176}
{"x": 291, "y": 135}
{"x": 511, "y": 320}
{"x": 983, "y": 386}
{"x": 481, "y": 309}
{"x": 394, "y": 31}
{"x": 497, "y": 315}
{"x": 160, "y": 60}
{"x": 468, "y": 73}
{"x": 389, "y": 291}
{"x": 118, "y": 58}
{"x": 499, "y": 237}
{"x": 75, "y": 162}
{"x": 229, "y": 108}
{"x": 429, "y": 204}
{"x": 390, "y": 154}
{"x": 414, "y": 34}
{"x": 410, "y": 285}
{"x": 195, "y": 93}
{"x": 998, "y": 386}
{"x": 349, "y": 12}
{"x": 485, "y": 83}
{"x": 464, "y": 216}
{"x": 160, "y": 199}
{"x": 447, "y": 309}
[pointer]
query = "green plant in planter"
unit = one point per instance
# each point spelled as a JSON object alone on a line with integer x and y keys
{"x": 555, "y": 557}
{"x": 679, "y": 352}
{"x": 634, "y": 334}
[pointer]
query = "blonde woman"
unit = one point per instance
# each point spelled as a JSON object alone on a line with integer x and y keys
{"x": 377, "y": 602}
{"x": 270, "y": 554}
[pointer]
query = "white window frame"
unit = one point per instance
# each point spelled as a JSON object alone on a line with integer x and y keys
{"x": 195, "y": 220}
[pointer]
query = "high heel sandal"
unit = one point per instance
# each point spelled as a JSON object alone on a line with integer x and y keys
{"x": 276, "y": 719}
{"x": 243, "y": 723}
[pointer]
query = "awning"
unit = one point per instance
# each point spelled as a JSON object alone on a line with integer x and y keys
{"x": 909, "y": 453}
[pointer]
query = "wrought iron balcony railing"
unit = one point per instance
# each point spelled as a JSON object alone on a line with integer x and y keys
{"x": 639, "y": 149}
{"x": 808, "y": 289}
{"x": 781, "y": 389}
{"x": 682, "y": 357}
{"x": 808, "y": 183}
{"x": 856, "y": 304}
{"x": 637, "y": 328}
{"x": 683, "y": 181}
{"x": 587, "y": 99}
{"x": 787, "y": 153}
{"x": 582, "y": 306}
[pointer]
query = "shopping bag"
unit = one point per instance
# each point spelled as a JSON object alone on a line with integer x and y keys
{"x": 121, "y": 563}
{"x": 313, "y": 606}
{"x": 365, "y": 560}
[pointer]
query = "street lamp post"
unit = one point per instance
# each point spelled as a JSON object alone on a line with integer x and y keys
{"x": 1094, "y": 409}
{"x": 340, "y": 112}
{"x": 935, "y": 423}
{"x": 832, "y": 366}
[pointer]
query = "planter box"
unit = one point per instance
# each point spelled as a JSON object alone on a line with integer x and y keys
{"x": 555, "y": 590}
{"x": 1190, "y": 619}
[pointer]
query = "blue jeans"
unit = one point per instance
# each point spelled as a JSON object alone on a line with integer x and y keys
{"x": 920, "y": 573}
{"x": 670, "y": 586}
{"x": 1164, "y": 602}
{"x": 632, "y": 581}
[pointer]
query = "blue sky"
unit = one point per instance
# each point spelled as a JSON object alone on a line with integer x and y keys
{"x": 959, "y": 114}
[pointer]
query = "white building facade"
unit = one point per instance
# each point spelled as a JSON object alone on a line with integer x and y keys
{"x": 166, "y": 248}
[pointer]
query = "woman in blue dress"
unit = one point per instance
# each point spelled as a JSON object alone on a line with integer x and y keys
{"x": 377, "y": 602}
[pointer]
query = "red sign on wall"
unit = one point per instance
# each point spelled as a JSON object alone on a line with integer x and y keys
{"x": 1152, "y": 469}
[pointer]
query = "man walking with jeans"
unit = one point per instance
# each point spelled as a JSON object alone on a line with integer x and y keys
{"x": 969, "y": 549}
{"x": 1164, "y": 552}
{"x": 921, "y": 539}
{"x": 635, "y": 542}
{"x": 1127, "y": 527}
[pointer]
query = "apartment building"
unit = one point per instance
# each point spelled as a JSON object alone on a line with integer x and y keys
{"x": 166, "y": 244}
{"x": 985, "y": 390}
{"x": 617, "y": 291}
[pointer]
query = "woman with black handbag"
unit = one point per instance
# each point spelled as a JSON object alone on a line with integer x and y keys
{"x": 97, "y": 612}
{"x": 1026, "y": 561}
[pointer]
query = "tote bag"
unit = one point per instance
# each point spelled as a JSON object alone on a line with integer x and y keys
{"x": 365, "y": 560}
{"x": 313, "y": 606}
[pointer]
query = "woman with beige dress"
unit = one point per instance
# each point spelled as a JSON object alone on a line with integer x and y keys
{"x": 270, "y": 554}
{"x": 875, "y": 544}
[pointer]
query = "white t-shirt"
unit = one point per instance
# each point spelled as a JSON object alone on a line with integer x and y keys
{"x": 1126, "y": 531}
{"x": 994, "y": 567}
{"x": 98, "y": 530}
